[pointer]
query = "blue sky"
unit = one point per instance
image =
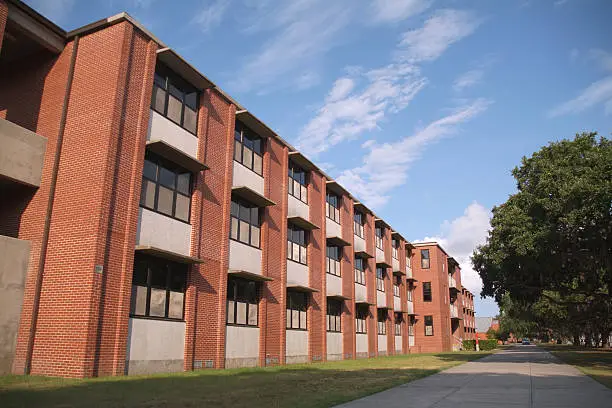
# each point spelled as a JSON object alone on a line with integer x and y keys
{"x": 419, "y": 107}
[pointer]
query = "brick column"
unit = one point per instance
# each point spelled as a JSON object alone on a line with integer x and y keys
{"x": 317, "y": 339}
{"x": 348, "y": 279}
{"x": 3, "y": 18}
{"x": 372, "y": 327}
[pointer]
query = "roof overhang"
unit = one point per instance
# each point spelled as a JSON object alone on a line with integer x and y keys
{"x": 409, "y": 246}
{"x": 249, "y": 275}
{"x": 453, "y": 261}
{"x": 256, "y": 125}
{"x": 181, "y": 67}
{"x": 302, "y": 223}
{"x": 336, "y": 188}
{"x": 337, "y": 241}
{"x": 397, "y": 235}
{"x": 338, "y": 297}
{"x": 361, "y": 207}
{"x": 364, "y": 302}
{"x": 384, "y": 264}
{"x": 399, "y": 272}
{"x": 387, "y": 307}
{"x": 171, "y": 256}
{"x": 252, "y": 196}
{"x": 36, "y": 27}
{"x": 173, "y": 154}
{"x": 363, "y": 255}
{"x": 302, "y": 161}
{"x": 411, "y": 279}
{"x": 380, "y": 222}
{"x": 301, "y": 288}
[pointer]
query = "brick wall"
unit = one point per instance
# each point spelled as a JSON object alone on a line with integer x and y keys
{"x": 372, "y": 328}
{"x": 317, "y": 339}
{"x": 3, "y": 17}
{"x": 348, "y": 279}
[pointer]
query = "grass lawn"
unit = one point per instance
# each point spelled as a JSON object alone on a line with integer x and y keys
{"x": 305, "y": 385}
{"x": 596, "y": 363}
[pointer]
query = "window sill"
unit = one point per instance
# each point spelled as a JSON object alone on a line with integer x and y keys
{"x": 298, "y": 198}
{"x": 164, "y": 214}
{"x": 293, "y": 328}
{"x": 359, "y": 283}
{"x": 361, "y": 332}
{"x": 298, "y": 262}
{"x": 165, "y": 319}
{"x": 243, "y": 325}
{"x": 337, "y": 222}
{"x": 333, "y": 274}
{"x": 173, "y": 122}
{"x": 244, "y": 243}
{"x": 243, "y": 165}
{"x": 334, "y": 331}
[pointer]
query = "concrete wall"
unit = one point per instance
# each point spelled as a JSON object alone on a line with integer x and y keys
{"x": 361, "y": 345}
{"x": 297, "y": 346}
{"x": 398, "y": 344}
{"x": 410, "y": 307}
{"x": 247, "y": 177}
{"x": 395, "y": 263}
{"x": 155, "y": 346}
{"x": 332, "y": 228}
{"x": 334, "y": 284}
{"x": 381, "y": 299}
{"x": 22, "y": 153}
{"x": 397, "y": 304}
{"x": 163, "y": 232}
{"x": 297, "y": 208}
{"x": 334, "y": 346}
{"x": 241, "y": 346}
{"x": 382, "y": 343}
{"x": 244, "y": 257}
{"x": 161, "y": 128}
{"x": 14, "y": 259}
{"x": 411, "y": 341}
{"x": 380, "y": 255}
{"x": 361, "y": 293}
{"x": 297, "y": 273}
{"x": 360, "y": 244}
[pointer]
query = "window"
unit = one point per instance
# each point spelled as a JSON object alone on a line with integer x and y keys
{"x": 359, "y": 271}
{"x": 382, "y": 321}
{"x": 248, "y": 148}
{"x": 333, "y": 260}
{"x": 242, "y": 302}
{"x": 158, "y": 288}
{"x": 426, "y": 291}
{"x": 166, "y": 188}
{"x": 380, "y": 235}
{"x": 334, "y": 311}
{"x": 361, "y": 317}
{"x": 358, "y": 219}
{"x": 245, "y": 224}
{"x": 175, "y": 99}
{"x": 408, "y": 263}
{"x": 409, "y": 295}
{"x": 396, "y": 285}
{"x": 429, "y": 326}
{"x": 395, "y": 248}
{"x": 398, "y": 323}
{"x": 380, "y": 279}
{"x": 425, "y": 258}
{"x": 296, "y": 244}
{"x": 298, "y": 186}
{"x": 332, "y": 207}
{"x": 297, "y": 305}
{"x": 411, "y": 328}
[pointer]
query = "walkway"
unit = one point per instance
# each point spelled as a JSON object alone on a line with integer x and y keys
{"x": 522, "y": 376}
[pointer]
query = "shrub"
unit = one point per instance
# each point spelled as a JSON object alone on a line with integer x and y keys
{"x": 469, "y": 345}
{"x": 487, "y": 344}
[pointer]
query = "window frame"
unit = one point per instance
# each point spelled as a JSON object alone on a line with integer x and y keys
{"x": 380, "y": 279}
{"x": 425, "y": 325}
{"x": 235, "y": 282}
{"x": 425, "y": 297}
{"x": 291, "y": 307}
{"x": 335, "y": 261}
{"x": 360, "y": 273}
{"x": 425, "y": 259}
{"x": 359, "y": 224}
{"x": 331, "y": 209}
{"x": 333, "y": 316}
{"x": 240, "y": 203}
{"x": 397, "y": 283}
{"x": 161, "y": 163}
{"x": 379, "y": 232}
{"x": 171, "y": 268}
{"x": 241, "y": 132}
{"x": 164, "y": 78}
{"x": 361, "y": 319}
{"x": 381, "y": 326}
{"x": 397, "y": 326}
{"x": 409, "y": 295}
{"x": 292, "y": 241}
{"x": 294, "y": 177}
{"x": 395, "y": 243}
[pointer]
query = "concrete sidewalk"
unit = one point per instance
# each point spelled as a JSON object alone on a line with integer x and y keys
{"x": 523, "y": 376}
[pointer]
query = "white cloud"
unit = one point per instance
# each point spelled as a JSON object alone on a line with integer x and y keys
{"x": 603, "y": 58}
{"x": 307, "y": 80}
{"x": 599, "y": 92}
{"x": 560, "y": 2}
{"x": 461, "y": 236}
{"x": 468, "y": 79}
{"x": 301, "y": 31}
{"x": 347, "y": 112}
{"x": 386, "y": 165}
{"x": 398, "y": 10}
{"x": 211, "y": 15}
{"x": 440, "y": 31}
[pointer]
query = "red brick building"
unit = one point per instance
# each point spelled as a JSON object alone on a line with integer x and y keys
{"x": 150, "y": 222}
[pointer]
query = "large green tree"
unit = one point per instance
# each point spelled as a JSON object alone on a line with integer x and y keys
{"x": 550, "y": 244}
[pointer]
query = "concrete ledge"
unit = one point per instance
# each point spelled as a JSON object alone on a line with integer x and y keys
{"x": 22, "y": 154}
{"x": 334, "y": 357}
{"x": 362, "y": 355}
{"x": 296, "y": 359}
{"x": 141, "y": 367}
{"x": 241, "y": 362}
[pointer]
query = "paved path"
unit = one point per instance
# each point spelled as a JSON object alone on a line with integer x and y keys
{"x": 523, "y": 376}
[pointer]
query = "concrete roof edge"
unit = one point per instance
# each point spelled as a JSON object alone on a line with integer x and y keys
{"x": 38, "y": 17}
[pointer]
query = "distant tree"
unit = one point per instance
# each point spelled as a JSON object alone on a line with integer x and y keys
{"x": 549, "y": 249}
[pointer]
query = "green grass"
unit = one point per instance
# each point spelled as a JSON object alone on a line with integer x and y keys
{"x": 305, "y": 385}
{"x": 596, "y": 363}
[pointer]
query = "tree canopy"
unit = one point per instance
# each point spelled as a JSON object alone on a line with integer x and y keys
{"x": 549, "y": 248}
